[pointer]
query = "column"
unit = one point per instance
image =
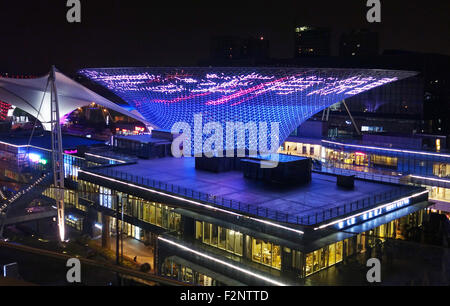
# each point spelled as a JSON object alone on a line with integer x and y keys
{"x": 106, "y": 237}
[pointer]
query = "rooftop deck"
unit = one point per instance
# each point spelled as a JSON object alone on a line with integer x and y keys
{"x": 308, "y": 204}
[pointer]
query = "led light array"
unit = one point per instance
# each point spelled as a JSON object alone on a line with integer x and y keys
{"x": 289, "y": 96}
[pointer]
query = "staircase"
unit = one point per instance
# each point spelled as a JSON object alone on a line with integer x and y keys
{"x": 14, "y": 207}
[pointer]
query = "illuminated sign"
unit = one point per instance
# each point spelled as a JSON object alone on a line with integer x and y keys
{"x": 369, "y": 214}
{"x": 37, "y": 159}
{"x": 373, "y": 213}
{"x": 72, "y": 218}
{"x": 70, "y": 151}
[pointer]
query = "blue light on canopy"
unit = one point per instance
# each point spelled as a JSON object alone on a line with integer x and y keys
{"x": 165, "y": 96}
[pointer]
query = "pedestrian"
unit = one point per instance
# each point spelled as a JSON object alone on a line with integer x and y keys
{"x": 135, "y": 259}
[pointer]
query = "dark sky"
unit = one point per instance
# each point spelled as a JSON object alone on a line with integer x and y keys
{"x": 34, "y": 34}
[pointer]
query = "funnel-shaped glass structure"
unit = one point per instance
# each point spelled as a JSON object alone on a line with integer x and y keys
{"x": 288, "y": 96}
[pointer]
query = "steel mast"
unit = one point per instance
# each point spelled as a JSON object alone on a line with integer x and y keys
{"x": 57, "y": 156}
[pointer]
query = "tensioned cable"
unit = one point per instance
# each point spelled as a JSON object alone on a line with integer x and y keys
{"x": 36, "y": 119}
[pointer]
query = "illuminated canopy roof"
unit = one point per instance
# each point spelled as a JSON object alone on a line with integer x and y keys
{"x": 289, "y": 96}
{"x": 28, "y": 94}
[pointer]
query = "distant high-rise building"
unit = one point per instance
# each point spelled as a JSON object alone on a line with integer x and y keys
{"x": 359, "y": 43}
{"x": 227, "y": 49}
{"x": 420, "y": 103}
{"x": 312, "y": 41}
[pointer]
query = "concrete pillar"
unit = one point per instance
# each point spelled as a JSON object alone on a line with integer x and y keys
{"x": 147, "y": 238}
{"x": 89, "y": 221}
{"x": 188, "y": 225}
{"x": 156, "y": 257}
{"x": 106, "y": 237}
{"x": 286, "y": 259}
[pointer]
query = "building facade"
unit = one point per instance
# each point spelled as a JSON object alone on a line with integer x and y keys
{"x": 312, "y": 41}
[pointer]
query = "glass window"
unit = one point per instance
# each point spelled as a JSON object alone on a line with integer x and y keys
{"x": 188, "y": 276}
{"x": 382, "y": 233}
{"x": 105, "y": 197}
{"x": 248, "y": 247}
{"x": 165, "y": 217}
{"x": 230, "y": 241}
{"x": 214, "y": 235}
{"x": 207, "y": 233}
{"x": 146, "y": 212}
{"x": 276, "y": 256}
{"x": 332, "y": 254}
{"x": 256, "y": 250}
{"x": 171, "y": 269}
{"x": 171, "y": 217}
{"x": 323, "y": 260}
{"x": 222, "y": 237}
{"x": 339, "y": 249}
{"x": 267, "y": 253}
{"x": 309, "y": 264}
{"x": 176, "y": 222}
{"x": 370, "y": 238}
{"x": 140, "y": 209}
{"x": 152, "y": 214}
{"x": 239, "y": 238}
{"x": 207, "y": 281}
{"x": 316, "y": 266}
{"x": 198, "y": 230}
{"x": 158, "y": 215}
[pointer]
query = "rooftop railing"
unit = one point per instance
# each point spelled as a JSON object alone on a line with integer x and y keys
{"x": 342, "y": 142}
{"x": 306, "y": 218}
{"x": 372, "y": 174}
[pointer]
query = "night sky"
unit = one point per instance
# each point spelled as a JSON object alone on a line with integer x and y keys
{"x": 35, "y": 34}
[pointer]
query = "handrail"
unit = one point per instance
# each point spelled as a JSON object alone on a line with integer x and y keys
{"x": 309, "y": 219}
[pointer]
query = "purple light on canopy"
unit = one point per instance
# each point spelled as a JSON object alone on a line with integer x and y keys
{"x": 289, "y": 96}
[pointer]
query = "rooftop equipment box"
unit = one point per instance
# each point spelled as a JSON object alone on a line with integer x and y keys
{"x": 217, "y": 164}
{"x": 290, "y": 170}
{"x": 163, "y": 134}
{"x": 346, "y": 181}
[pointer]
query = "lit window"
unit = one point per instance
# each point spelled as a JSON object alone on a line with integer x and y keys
{"x": 266, "y": 253}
